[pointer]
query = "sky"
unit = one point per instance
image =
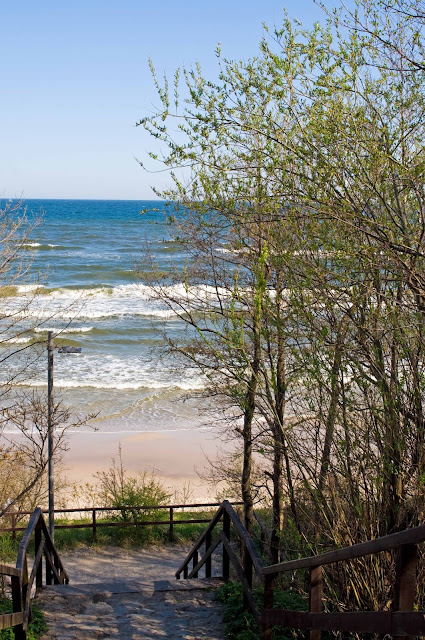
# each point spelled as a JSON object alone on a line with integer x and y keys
{"x": 75, "y": 80}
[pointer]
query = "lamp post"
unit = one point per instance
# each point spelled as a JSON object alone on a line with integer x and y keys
{"x": 50, "y": 434}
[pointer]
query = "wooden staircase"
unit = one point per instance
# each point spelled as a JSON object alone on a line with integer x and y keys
{"x": 131, "y": 610}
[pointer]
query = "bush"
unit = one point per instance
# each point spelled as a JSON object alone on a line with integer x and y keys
{"x": 118, "y": 490}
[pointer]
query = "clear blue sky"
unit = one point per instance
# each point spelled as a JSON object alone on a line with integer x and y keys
{"x": 75, "y": 80}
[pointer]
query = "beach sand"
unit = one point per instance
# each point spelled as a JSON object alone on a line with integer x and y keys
{"x": 173, "y": 456}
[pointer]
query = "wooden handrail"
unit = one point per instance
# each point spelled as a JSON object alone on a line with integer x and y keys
{"x": 227, "y": 516}
{"x": 401, "y": 621}
{"x": 95, "y": 524}
{"x": 386, "y": 543}
{"x": 195, "y": 505}
{"x": 22, "y": 583}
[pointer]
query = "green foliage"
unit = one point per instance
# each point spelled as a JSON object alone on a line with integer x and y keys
{"x": 116, "y": 489}
{"x": 36, "y": 628}
{"x": 241, "y": 625}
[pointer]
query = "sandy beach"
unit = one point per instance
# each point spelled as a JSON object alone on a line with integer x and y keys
{"x": 173, "y": 456}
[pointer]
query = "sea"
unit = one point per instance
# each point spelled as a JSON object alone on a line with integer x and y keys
{"x": 82, "y": 284}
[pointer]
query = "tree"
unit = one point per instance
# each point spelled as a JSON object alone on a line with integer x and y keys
{"x": 309, "y": 159}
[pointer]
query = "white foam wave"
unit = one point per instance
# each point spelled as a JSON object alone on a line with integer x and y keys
{"x": 31, "y": 244}
{"x": 116, "y": 302}
{"x": 26, "y": 288}
{"x": 108, "y": 371}
{"x": 119, "y": 386}
{"x": 63, "y": 332}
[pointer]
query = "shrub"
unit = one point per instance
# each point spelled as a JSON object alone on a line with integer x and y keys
{"x": 116, "y": 489}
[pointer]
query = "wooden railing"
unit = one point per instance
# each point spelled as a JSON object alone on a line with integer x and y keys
{"x": 95, "y": 524}
{"x": 22, "y": 580}
{"x": 226, "y": 518}
{"x": 401, "y": 621}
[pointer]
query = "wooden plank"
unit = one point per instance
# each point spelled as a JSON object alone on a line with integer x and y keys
{"x": 11, "y": 619}
{"x": 53, "y": 569}
{"x": 315, "y": 597}
{"x": 195, "y": 560}
{"x": 208, "y": 567}
{"x": 241, "y": 575}
{"x": 51, "y": 547}
{"x": 246, "y": 539}
{"x": 392, "y": 541}
{"x": 352, "y": 622}
{"x": 27, "y": 537}
{"x": 405, "y": 582}
{"x": 205, "y": 557}
{"x": 408, "y": 623}
{"x": 139, "y": 523}
{"x": 213, "y": 522}
{"x": 226, "y": 536}
{"x": 393, "y": 623}
{"x": 267, "y": 629}
{"x": 9, "y": 570}
{"x": 36, "y": 567}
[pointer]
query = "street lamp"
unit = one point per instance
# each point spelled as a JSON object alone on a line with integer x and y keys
{"x": 50, "y": 434}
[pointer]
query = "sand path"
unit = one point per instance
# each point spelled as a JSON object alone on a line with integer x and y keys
{"x": 131, "y": 595}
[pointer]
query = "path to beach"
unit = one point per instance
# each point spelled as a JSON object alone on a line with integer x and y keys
{"x": 131, "y": 595}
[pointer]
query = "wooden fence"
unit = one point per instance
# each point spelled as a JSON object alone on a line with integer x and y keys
{"x": 94, "y": 524}
{"x": 402, "y": 621}
{"x": 23, "y": 579}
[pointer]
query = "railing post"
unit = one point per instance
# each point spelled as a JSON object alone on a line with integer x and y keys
{"x": 405, "y": 581}
{"x": 316, "y": 592}
{"x": 94, "y": 525}
{"x": 208, "y": 561}
{"x": 171, "y": 530}
{"x": 37, "y": 543}
{"x": 13, "y": 525}
{"x": 226, "y": 532}
{"x": 19, "y": 632}
{"x": 49, "y": 573}
{"x": 24, "y": 590}
{"x": 247, "y": 567}
{"x": 267, "y": 629}
{"x": 195, "y": 562}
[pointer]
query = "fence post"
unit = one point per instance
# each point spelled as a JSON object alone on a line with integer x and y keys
{"x": 226, "y": 532}
{"x": 13, "y": 525}
{"x": 208, "y": 561}
{"x": 171, "y": 530}
{"x": 94, "y": 525}
{"x": 37, "y": 543}
{"x": 17, "y": 606}
{"x": 195, "y": 562}
{"x": 316, "y": 592}
{"x": 247, "y": 562}
{"x": 405, "y": 581}
{"x": 267, "y": 629}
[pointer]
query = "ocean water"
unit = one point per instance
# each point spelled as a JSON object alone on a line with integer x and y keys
{"x": 84, "y": 266}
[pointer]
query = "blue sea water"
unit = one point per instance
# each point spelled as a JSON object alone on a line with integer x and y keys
{"x": 84, "y": 256}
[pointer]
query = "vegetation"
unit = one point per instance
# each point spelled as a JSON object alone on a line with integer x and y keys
{"x": 241, "y": 625}
{"x": 36, "y": 628}
{"x": 299, "y": 174}
{"x": 116, "y": 489}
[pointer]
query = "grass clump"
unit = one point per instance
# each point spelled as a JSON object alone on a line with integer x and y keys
{"x": 36, "y": 628}
{"x": 241, "y": 625}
